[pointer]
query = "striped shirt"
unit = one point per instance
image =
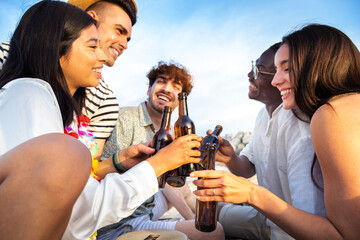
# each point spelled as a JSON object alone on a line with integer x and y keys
{"x": 4, "y": 52}
{"x": 102, "y": 108}
{"x": 101, "y": 104}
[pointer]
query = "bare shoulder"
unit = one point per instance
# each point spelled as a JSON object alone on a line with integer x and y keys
{"x": 335, "y": 133}
{"x": 343, "y": 113}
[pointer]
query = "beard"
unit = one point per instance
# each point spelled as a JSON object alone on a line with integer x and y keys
{"x": 158, "y": 109}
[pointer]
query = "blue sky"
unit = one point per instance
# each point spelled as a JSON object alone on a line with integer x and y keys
{"x": 215, "y": 40}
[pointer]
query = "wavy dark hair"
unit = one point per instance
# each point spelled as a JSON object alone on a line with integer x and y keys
{"x": 323, "y": 63}
{"x": 44, "y": 34}
{"x": 173, "y": 70}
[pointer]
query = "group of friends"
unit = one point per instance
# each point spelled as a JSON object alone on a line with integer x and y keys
{"x": 73, "y": 165}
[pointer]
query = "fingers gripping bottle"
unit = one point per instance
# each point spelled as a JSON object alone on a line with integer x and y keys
{"x": 205, "y": 214}
{"x": 183, "y": 126}
{"x": 209, "y": 139}
{"x": 162, "y": 138}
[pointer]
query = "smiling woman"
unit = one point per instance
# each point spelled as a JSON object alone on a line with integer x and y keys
{"x": 36, "y": 99}
{"x": 82, "y": 65}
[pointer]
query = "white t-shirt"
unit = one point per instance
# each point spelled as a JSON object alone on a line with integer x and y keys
{"x": 28, "y": 108}
{"x": 282, "y": 152}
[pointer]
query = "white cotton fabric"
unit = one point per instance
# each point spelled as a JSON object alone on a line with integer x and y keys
{"x": 28, "y": 108}
{"x": 282, "y": 152}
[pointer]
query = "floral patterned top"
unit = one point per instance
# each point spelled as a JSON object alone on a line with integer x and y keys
{"x": 78, "y": 129}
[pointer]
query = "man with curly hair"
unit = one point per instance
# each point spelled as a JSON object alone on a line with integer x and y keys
{"x": 138, "y": 125}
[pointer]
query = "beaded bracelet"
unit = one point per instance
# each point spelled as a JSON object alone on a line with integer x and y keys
{"x": 117, "y": 163}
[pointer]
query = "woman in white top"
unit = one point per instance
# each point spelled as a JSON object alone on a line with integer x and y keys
{"x": 53, "y": 55}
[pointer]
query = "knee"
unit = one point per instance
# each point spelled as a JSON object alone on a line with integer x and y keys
{"x": 70, "y": 158}
{"x": 72, "y": 153}
{"x": 58, "y": 161}
{"x": 51, "y": 164}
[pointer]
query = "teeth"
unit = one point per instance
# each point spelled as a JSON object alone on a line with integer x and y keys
{"x": 286, "y": 92}
{"x": 163, "y": 98}
{"x": 97, "y": 70}
{"x": 116, "y": 52}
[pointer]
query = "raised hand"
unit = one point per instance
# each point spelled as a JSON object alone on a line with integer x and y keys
{"x": 225, "y": 151}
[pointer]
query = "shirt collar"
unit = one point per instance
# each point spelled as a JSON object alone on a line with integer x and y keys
{"x": 144, "y": 117}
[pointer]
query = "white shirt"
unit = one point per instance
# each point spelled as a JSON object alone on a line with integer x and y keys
{"x": 28, "y": 108}
{"x": 282, "y": 152}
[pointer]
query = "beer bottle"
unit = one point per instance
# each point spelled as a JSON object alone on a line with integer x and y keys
{"x": 184, "y": 126}
{"x": 209, "y": 139}
{"x": 162, "y": 138}
{"x": 205, "y": 215}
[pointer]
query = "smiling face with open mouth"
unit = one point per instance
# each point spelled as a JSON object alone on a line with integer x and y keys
{"x": 282, "y": 78}
{"x": 164, "y": 92}
{"x": 260, "y": 89}
{"x": 114, "y": 27}
{"x": 83, "y": 64}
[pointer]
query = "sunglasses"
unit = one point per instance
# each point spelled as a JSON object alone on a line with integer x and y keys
{"x": 256, "y": 70}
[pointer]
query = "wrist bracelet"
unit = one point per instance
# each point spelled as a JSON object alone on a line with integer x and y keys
{"x": 117, "y": 163}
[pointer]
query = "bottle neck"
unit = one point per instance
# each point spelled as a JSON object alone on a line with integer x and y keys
{"x": 217, "y": 131}
{"x": 165, "y": 120}
{"x": 211, "y": 157}
{"x": 183, "y": 110}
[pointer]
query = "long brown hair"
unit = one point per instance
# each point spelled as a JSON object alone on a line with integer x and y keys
{"x": 323, "y": 63}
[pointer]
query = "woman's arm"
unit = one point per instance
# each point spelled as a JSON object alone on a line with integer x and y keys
{"x": 233, "y": 189}
{"x": 335, "y": 131}
{"x": 335, "y": 134}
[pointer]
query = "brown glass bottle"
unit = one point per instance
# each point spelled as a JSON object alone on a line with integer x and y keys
{"x": 209, "y": 139}
{"x": 162, "y": 138}
{"x": 184, "y": 126}
{"x": 205, "y": 215}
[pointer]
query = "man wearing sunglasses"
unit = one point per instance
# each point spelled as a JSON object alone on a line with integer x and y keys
{"x": 280, "y": 153}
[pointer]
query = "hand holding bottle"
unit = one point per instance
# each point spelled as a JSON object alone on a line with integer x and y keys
{"x": 181, "y": 151}
{"x": 183, "y": 126}
{"x": 205, "y": 215}
{"x": 225, "y": 151}
{"x": 223, "y": 186}
{"x": 209, "y": 139}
